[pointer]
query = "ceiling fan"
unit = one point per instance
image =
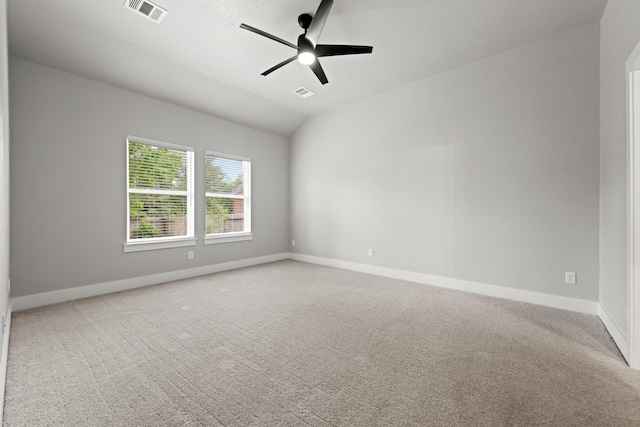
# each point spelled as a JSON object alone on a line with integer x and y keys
{"x": 308, "y": 48}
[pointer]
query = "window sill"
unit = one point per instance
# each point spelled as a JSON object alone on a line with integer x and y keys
{"x": 165, "y": 244}
{"x": 227, "y": 238}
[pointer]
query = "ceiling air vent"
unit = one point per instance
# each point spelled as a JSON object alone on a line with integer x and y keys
{"x": 303, "y": 92}
{"x": 147, "y": 9}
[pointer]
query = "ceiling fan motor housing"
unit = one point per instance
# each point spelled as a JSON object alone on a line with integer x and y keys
{"x": 305, "y": 21}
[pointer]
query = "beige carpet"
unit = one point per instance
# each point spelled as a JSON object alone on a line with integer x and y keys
{"x": 294, "y": 344}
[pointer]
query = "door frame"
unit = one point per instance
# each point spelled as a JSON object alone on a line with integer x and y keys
{"x": 632, "y": 72}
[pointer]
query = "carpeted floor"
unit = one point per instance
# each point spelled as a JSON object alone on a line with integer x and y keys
{"x": 295, "y": 344}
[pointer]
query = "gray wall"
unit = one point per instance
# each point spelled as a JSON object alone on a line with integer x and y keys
{"x": 620, "y": 35}
{"x": 68, "y": 181}
{"x": 4, "y": 161}
{"x": 487, "y": 173}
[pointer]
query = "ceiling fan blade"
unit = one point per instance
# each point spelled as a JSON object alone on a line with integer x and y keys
{"x": 282, "y": 64}
{"x": 317, "y": 24}
{"x": 267, "y": 35}
{"x": 319, "y": 72}
{"x": 341, "y": 49}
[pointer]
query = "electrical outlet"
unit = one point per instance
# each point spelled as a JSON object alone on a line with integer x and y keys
{"x": 293, "y": 243}
{"x": 570, "y": 277}
{"x": 190, "y": 254}
{"x": 370, "y": 252}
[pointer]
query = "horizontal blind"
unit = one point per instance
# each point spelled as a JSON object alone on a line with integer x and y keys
{"x": 224, "y": 175}
{"x": 160, "y": 181}
{"x": 227, "y": 183}
{"x": 158, "y": 168}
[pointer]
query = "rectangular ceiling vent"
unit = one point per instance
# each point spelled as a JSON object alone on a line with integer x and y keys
{"x": 147, "y": 9}
{"x": 303, "y": 92}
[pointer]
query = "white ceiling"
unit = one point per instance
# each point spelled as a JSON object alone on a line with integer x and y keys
{"x": 198, "y": 56}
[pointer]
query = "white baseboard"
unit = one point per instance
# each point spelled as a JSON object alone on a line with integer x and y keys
{"x": 4, "y": 359}
{"x": 549, "y": 300}
{"x": 616, "y": 333}
{"x": 539, "y": 298}
{"x": 63, "y": 295}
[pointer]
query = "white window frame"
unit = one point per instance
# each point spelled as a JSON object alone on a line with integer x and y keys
{"x": 212, "y": 239}
{"x": 135, "y": 245}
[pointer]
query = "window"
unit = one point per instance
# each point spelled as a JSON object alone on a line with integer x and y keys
{"x": 159, "y": 195}
{"x": 228, "y": 194}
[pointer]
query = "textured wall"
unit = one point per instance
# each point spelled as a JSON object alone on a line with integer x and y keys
{"x": 620, "y": 35}
{"x": 68, "y": 172}
{"x": 486, "y": 173}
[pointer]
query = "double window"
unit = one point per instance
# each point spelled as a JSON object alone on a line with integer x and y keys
{"x": 160, "y": 196}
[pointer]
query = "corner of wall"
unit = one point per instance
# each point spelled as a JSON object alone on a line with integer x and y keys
{"x": 4, "y": 196}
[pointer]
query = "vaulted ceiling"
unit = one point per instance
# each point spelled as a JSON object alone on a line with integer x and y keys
{"x": 198, "y": 57}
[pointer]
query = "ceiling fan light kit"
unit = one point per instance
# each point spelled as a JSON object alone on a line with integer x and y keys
{"x": 308, "y": 48}
{"x": 306, "y": 58}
